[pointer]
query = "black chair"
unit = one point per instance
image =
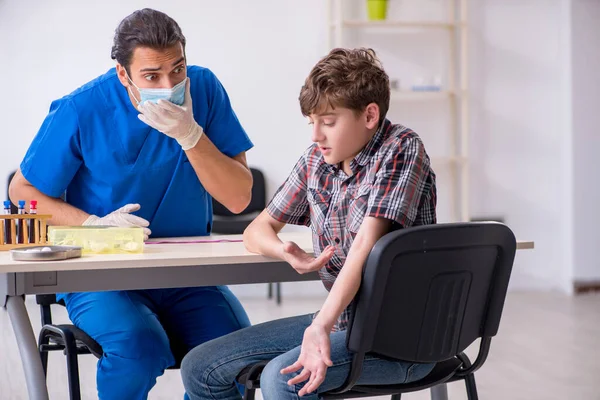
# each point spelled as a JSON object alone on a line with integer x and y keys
{"x": 428, "y": 293}
{"x": 72, "y": 341}
{"x": 69, "y": 339}
{"x": 225, "y": 222}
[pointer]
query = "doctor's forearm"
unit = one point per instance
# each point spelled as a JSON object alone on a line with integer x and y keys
{"x": 228, "y": 180}
{"x": 62, "y": 213}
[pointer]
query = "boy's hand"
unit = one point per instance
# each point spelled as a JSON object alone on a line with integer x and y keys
{"x": 314, "y": 359}
{"x": 301, "y": 261}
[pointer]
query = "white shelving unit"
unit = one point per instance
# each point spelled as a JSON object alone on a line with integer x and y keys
{"x": 455, "y": 91}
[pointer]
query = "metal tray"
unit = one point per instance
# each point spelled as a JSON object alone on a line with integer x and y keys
{"x": 55, "y": 253}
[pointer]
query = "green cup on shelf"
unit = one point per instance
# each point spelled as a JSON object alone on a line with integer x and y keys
{"x": 377, "y": 9}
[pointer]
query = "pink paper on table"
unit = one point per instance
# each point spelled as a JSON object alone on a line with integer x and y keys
{"x": 197, "y": 241}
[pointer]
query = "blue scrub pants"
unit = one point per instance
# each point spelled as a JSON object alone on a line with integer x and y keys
{"x": 134, "y": 328}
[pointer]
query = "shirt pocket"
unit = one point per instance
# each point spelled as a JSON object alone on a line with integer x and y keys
{"x": 319, "y": 201}
{"x": 357, "y": 209}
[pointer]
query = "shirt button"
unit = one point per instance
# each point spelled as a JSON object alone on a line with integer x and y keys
{"x": 335, "y": 208}
{"x": 337, "y": 240}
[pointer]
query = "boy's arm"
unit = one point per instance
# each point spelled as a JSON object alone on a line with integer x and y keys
{"x": 288, "y": 206}
{"x": 348, "y": 281}
{"x": 316, "y": 346}
{"x": 261, "y": 236}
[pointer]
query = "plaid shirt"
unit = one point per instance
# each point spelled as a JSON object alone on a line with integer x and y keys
{"x": 392, "y": 179}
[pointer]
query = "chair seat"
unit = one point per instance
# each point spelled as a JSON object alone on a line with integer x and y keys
{"x": 85, "y": 344}
{"x": 442, "y": 372}
{"x": 250, "y": 375}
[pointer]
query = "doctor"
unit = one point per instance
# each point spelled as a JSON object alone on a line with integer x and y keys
{"x": 158, "y": 138}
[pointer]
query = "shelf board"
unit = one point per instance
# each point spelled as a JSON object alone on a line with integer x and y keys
{"x": 357, "y": 23}
{"x": 408, "y": 95}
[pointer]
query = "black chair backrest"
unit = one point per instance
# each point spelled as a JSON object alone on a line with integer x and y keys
{"x": 259, "y": 197}
{"x": 428, "y": 292}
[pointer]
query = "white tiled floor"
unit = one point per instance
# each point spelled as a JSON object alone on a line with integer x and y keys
{"x": 548, "y": 348}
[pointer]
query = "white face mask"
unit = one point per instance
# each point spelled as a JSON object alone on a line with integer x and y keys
{"x": 175, "y": 95}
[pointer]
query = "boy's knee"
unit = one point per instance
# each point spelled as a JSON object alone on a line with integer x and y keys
{"x": 272, "y": 381}
{"x": 192, "y": 366}
{"x": 198, "y": 368}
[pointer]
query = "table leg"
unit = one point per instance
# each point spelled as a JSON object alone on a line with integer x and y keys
{"x": 32, "y": 363}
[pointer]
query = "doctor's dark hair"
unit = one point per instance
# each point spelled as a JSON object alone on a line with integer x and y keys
{"x": 144, "y": 28}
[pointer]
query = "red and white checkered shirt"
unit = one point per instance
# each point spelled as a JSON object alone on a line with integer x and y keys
{"x": 392, "y": 178}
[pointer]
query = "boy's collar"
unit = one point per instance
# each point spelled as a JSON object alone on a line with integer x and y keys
{"x": 363, "y": 157}
{"x": 371, "y": 148}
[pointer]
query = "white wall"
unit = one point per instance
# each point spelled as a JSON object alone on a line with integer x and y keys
{"x": 263, "y": 50}
{"x": 585, "y": 18}
{"x": 519, "y": 129}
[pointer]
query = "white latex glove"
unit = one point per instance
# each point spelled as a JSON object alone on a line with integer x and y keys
{"x": 121, "y": 217}
{"x": 174, "y": 121}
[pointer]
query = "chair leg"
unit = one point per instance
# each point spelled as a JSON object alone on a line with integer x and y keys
{"x": 278, "y": 287}
{"x": 44, "y": 357}
{"x": 249, "y": 393}
{"x": 471, "y": 387}
{"x": 72, "y": 369}
{"x": 46, "y": 318}
{"x": 396, "y": 396}
{"x": 270, "y": 293}
{"x": 44, "y": 354}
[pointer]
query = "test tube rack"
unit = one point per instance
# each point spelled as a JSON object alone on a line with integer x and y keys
{"x": 39, "y": 222}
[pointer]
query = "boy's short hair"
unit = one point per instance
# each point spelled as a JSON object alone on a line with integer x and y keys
{"x": 349, "y": 78}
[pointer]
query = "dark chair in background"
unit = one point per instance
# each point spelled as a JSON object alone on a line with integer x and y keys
{"x": 427, "y": 293}
{"x": 225, "y": 222}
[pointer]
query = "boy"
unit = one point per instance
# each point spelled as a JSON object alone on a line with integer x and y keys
{"x": 362, "y": 178}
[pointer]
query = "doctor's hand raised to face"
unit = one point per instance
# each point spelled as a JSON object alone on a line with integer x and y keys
{"x": 173, "y": 120}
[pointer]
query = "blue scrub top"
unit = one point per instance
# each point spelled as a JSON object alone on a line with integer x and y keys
{"x": 93, "y": 145}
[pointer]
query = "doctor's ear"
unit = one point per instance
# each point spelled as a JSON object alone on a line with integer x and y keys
{"x": 122, "y": 75}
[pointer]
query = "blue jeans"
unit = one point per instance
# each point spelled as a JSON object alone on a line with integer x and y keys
{"x": 134, "y": 329}
{"x": 209, "y": 370}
